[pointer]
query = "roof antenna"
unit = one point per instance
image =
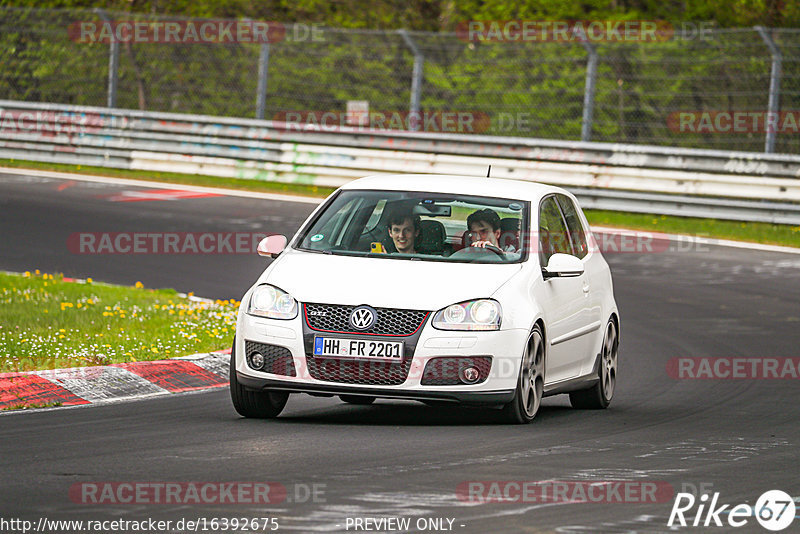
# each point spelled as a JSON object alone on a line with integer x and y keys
{"x": 488, "y": 172}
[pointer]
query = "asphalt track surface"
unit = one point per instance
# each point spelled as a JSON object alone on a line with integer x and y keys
{"x": 395, "y": 459}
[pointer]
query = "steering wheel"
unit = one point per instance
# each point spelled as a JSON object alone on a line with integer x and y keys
{"x": 476, "y": 250}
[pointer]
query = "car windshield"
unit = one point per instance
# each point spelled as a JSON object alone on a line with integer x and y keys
{"x": 419, "y": 226}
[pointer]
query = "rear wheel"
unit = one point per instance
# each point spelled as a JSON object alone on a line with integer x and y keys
{"x": 600, "y": 395}
{"x": 356, "y": 399}
{"x": 255, "y": 404}
{"x": 530, "y": 384}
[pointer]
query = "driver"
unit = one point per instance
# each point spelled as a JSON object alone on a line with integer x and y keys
{"x": 404, "y": 229}
{"x": 484, "y": 228}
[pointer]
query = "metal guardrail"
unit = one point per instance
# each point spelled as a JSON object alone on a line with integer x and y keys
{"x": 701, "y": 183}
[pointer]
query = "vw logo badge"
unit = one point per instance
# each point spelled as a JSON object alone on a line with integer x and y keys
{"x": 363, "y": 317}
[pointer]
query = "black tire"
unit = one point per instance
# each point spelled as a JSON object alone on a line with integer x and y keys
{"x": 254, "y": 404}
{"x": 356, "y": 399}
{"x": 530, "y": 385}
{"x": 599, "y": 396}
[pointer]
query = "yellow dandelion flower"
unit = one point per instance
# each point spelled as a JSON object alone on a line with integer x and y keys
{"x": 138, "y": 285}
{"x": 89, "y": 280}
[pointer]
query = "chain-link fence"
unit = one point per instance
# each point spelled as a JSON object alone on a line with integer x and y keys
{"x": 709, "y": 90}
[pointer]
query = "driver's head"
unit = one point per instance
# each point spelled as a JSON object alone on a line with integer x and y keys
{"x": 404, "y": 229}
{"x": 484, "y": 225}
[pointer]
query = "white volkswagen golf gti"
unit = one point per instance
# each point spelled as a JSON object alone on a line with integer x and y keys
{"x": 440, "y": 289}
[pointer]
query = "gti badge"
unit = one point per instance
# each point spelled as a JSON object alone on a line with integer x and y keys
{"x": 363, "y": 317}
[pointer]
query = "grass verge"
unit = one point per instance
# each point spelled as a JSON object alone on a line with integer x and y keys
{"x": 48, "y": 322}
{"x": 772, "y": 234}
{"x": 755, "y": 232}
{"x": 23, "y": 406}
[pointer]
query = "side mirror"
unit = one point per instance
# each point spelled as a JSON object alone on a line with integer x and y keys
{"x": 562, "y": 266}
{"x": 272, "y": 245}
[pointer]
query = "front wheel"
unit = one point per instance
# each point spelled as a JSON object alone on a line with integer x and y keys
{"x": 530, "y": 384}
{"x": 255, "y": 404}
{"x": 599, "y": 396}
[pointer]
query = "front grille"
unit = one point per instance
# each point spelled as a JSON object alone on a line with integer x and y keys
{"x": 445, "y": 371}
{"x": 358, "y": 371}
{"x": 390, "y": 322}
{"x": 277, "y": 360}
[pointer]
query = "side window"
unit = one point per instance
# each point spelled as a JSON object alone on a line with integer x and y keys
{"x": 553, "y": 236}
{"x": 576, "y": 233}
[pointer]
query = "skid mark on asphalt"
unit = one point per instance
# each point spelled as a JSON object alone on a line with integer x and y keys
{"x": 642, "y": 523}
{"x": 721, "y": 450}
{"x": 159, "y": 194}
{"x": 483, "y": 460}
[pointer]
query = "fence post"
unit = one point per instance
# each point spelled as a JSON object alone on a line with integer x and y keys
{"x": 416, "y": 80}
{"x": 771, "y": 121}
{"x": 588, "y": 92}
{"x": 113, "y": 64}
{"x": 261, "y": 91}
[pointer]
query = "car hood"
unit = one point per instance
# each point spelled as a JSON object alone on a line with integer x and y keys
{"x": 382, "y": 282}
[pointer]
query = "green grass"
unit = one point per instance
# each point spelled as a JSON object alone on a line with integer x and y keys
{"x": 774, "y": 234}
{"x": 23, "y": 406}
{"x": 49, "y": 323}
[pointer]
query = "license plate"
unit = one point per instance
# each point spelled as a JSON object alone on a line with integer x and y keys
{"x": 358, "y": 348}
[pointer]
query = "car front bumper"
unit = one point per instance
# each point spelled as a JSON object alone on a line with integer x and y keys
{"x": 505, "y": 347}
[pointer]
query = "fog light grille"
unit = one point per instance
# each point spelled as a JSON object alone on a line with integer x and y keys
{"x": 448, "y": 370}
{"x": 277, "y": 360}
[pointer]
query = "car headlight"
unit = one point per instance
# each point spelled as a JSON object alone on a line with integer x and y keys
{"x": 269, "y": 301}
{"x": 482, "y": 314}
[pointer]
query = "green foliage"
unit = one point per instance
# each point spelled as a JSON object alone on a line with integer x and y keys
{"x": 47, "y": 322}
{"x": 530, "y": 89}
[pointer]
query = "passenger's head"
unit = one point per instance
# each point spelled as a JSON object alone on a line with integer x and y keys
{"x": 404, "y": 229}
{"x": 484, "y": 225}
{"x": 509, "y": 232}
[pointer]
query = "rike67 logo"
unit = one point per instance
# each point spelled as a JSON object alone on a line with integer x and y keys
{"x": 774, "y": 510}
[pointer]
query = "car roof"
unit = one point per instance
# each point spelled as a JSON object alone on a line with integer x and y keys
{"x": 457, "y": 184}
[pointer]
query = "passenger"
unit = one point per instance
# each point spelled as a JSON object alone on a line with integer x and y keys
{"x": 404, "y": 229}
{"x": 484, "y": 228}
{"x": 509, "y": 237}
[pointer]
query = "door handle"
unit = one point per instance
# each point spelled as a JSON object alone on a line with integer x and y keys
{"x": 585, "y": 287}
